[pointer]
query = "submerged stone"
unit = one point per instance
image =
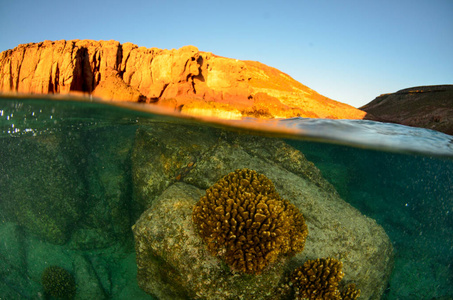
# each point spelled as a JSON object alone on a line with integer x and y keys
{"x": 175, "y": 263}
{"x": 69, "y": 188}
{"x": 41, "y": 190}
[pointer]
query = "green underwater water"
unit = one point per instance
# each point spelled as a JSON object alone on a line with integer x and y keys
{"x": 67, "y": 196}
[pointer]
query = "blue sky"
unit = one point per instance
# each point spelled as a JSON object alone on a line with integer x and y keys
{"x": 350, "y": 51}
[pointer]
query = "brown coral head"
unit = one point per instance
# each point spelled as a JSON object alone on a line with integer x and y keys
{"x": 244, "y": 221}
{"x": 350, "y": 292}
{"x": 318, "y": 279}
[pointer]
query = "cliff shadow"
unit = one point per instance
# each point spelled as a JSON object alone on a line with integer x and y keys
{"x": 83, "y": 77}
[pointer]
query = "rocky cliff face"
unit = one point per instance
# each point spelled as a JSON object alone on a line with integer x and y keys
{"x": 185, "y": 79}
{"x": 425, "y": 106}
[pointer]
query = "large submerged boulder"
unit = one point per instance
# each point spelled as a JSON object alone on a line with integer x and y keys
{"x": 173, "y": 260}
{"x": 48, "y": 204}
{"x": 59, "y": 188}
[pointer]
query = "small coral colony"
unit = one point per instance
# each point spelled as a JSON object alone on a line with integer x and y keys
{"x": 245, "y": 222}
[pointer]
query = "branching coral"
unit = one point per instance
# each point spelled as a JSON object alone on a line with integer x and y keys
{"x": 244, "y": 221}
{"x": 319, "y": 279}
{"x": 350, "y": 292}
{"x": 58, "y": 283}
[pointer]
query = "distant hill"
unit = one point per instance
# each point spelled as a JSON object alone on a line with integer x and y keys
{"x": 424, "y": 106}
{"x": 187, "y": 80}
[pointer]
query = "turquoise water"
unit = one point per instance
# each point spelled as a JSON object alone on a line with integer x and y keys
{"x": 74, "y": 179}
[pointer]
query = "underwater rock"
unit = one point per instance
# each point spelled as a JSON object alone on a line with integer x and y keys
{"x": 14, "y": 280}
{"x": 124, "y": 279}
{"x": 106, "y": 274}
{"x": 59, "y": 187}
{"x": 88, "y": 279}
{"x": 41, "y": 254}
{"x": 160, "y": 159}
{"x": 12, "y": 249}
{"x": 106, "y": 173}
{"x": 58, "y": 282}
{"x": 40, "y": 190}
{"x": 174, "y": 262}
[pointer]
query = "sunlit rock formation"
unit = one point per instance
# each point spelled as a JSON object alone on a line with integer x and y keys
{"x": 186, "y": 79}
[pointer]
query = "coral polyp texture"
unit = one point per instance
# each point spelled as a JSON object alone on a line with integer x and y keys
{"x": 58, "y": 283}
{"x": 245, "y": 222}
{"x": 319, "y": 279}
{"x": 350, "y": 292}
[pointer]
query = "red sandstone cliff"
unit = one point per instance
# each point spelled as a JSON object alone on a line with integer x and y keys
{"x": 186, "y": 79}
